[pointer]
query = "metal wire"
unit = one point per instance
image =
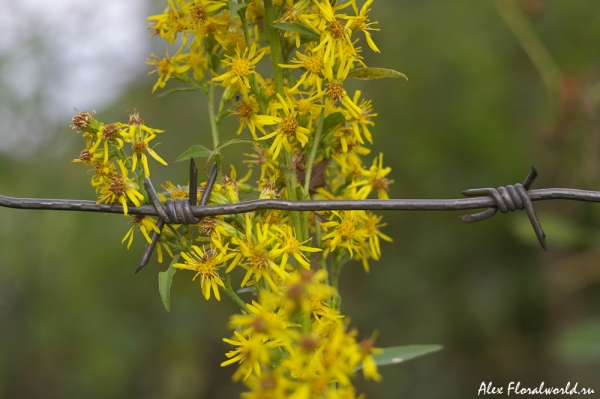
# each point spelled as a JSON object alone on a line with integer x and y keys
{"x": 178, "y": 211}
{"x": 506, "y": 199}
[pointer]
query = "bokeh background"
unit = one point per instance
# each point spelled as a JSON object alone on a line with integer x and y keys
{"x": 476, "y": 112}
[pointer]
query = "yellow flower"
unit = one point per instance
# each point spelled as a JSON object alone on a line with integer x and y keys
{"x": 118, "y": 187}
{"x": 169, "y": 66}
{"x": 108, "y": 135}
{"x": 140, "y": 135}
{"x": 267, "y": 189}
{"x": 174, "y": 191}
{"x": 261, "y": 158}
{"x": 258, "y": 258}
{"x": 247, "y": 109}
{"x": 361, "y": 22}
{"x": 168, "y": 24}
{"x": 312, "y": 63}
{"x": 252, "y": 353}
{"x": 87, "y": 157}
{"x": 334, "y": 89}
{"x": 268, "y": 317}
{"x": 288, "y": 128}
{"x": 367, "y": 350}
{"x": 335, "y": 33}
{"x": 241, "y": 67}
{"x": 371, "y": 224}
{"x": 146, "y": 225}
{"x": 375, "y": 180}
{"x": 206, "y": 264}
{"x": 360, "y": 121}
{"x": 346, "y": 231}
{"x": 291, "y": 246}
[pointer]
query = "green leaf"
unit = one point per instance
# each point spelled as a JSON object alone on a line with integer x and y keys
{"x": 165, "y": 279}
{"x": 399, "y": 354}
{"x": 245, "y": 290}
{"x": 333, "y": 120}
{"x": 234, "y": 7}
{"x": 298, "y": 28}
{"x": 195, "y": 151}
{"x": 375, "y": 73}
{"x": 227, "y": 143}
{"x": 178, "y": 90}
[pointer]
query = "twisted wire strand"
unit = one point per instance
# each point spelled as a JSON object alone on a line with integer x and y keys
{"x": 289, "y": 205}
{"x": 506, "y": 199}
{"x": 509, "y": 199}
{"x": 176, "y": 211}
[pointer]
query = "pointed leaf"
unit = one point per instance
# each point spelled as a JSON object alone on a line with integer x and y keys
{"x": 195, "y": 151}
{"x": 245, "y": 290}
{"x": 333, "y": 120}
{"x": 178, "y": 90}
{"x": 298, "y": 28}
{"x": 399, "y": 354}
{"x": 234, "y": 7}
{"x": 375, "y": 73}
{"x": 165, "y": 279}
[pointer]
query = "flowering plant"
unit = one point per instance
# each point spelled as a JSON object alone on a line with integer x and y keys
{"x": 308, "y": 137}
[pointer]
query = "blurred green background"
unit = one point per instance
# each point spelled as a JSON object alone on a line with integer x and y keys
{"x": 76, "y": 322}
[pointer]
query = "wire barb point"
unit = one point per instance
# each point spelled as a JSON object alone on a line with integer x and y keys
{"x": 509, "y": 199}
{"x": 176, "y": 211}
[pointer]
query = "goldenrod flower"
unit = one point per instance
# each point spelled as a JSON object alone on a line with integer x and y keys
{"x": 206, "y": 263}
{"x": 361, "y": 22}
{"x": 371, "y": 224}
{"x": 360, "y": 121}
{"x": 252, "y": 353}
{"x": 87, "y": 157}
{"x": 269, "y": 317}
{"x": 145, "y": 224}
{"x": 262, "y": 159}
{"x": 256, "y": 256}
{"x": 247, "y": 112}
{"x": 313, "y": 64}
{"x": 241, "y": 67}
{"x": 108, "y": 135}
{"x": 367, "y": 349}
{"x": 175, "y": 191}
{"x": 346, "y": 231}
{"x": 335, "y": 33}
{"x": 140, "y": 135}
{"x": 169, "y": 66}
{"x": 118, "y": 187}
{"x": 291, "y": 246}
{"x": 287, "y": 128}
{"x": 334, "y": 89}
{"x": 375, "y": 180}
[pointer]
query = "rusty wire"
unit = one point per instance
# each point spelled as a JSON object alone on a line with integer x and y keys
{"x": 506, "y": 199}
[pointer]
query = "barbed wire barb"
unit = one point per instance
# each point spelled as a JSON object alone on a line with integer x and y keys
{"x": 184, "y": 211}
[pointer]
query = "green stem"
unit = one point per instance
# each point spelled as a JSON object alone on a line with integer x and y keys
{"x": 291, "y": 182}
{"x": 213, "y": 126}
{"x": 532, "y": 44}
{"x": 253, "y": 82}
{"x": 273, "y": 36}
{"x": 287, "y": 167}
{"x": 229, "y": 291}
{"x": 313, "y": 152}
{"x": 336, "y": 269}
{"x": 319, "y": 244}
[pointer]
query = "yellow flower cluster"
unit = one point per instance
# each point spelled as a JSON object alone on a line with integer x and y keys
{"x": 309, "y": 137}
{"x": 104, "y": 153}
{"x": 297, "y": 328}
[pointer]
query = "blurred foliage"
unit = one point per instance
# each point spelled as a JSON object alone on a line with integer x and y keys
{"x": 76, "y": 322}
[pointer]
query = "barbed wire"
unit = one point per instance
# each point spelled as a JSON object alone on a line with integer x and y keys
{"x": 180, "y": 211}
